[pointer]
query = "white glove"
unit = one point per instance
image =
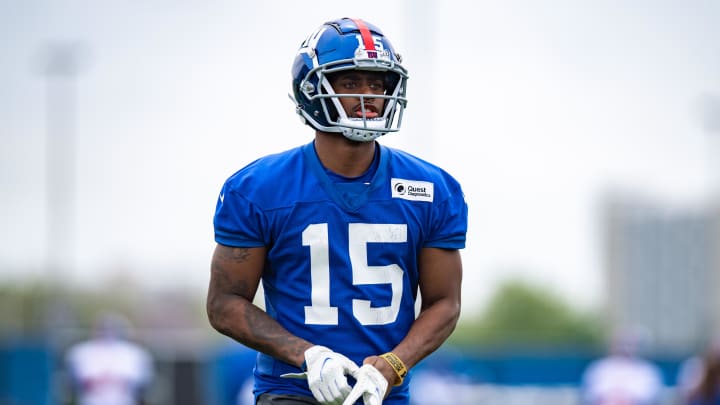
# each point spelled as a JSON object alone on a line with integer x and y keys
{"x": 326, "y": 371}
{"x": 371, "y": 385}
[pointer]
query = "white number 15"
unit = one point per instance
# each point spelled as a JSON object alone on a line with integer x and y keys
{"x": 316, "y": 237}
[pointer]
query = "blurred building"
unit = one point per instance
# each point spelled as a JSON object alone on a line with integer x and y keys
{"x": 662, "y": 271}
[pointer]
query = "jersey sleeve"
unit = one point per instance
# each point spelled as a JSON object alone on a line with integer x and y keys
{"x": 450, "y": 217}
{"x": 238, "y": 222}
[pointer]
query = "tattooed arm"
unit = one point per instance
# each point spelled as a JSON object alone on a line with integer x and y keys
{"x": 234, "y": 278}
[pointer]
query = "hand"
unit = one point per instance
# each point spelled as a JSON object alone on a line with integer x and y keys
{"x": 326, "y": 371}
{"x": 371, "y": 385}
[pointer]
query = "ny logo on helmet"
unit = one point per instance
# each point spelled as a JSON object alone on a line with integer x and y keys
{"x": 378, "y": 53}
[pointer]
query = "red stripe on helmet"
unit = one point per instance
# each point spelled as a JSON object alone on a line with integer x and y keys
{"x": 365, "y": 34}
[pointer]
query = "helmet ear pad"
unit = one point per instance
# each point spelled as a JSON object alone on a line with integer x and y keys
{"x": 391, "y": 81}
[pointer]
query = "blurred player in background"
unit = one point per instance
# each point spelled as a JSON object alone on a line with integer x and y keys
{"x": 699, "y": 377}
{"x": 623, "y": 377}
{"x": 342, "y": 232}
{"x": 109, "y": 369}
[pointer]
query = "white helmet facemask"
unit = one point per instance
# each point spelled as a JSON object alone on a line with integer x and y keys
{"x": 361, "y": 128}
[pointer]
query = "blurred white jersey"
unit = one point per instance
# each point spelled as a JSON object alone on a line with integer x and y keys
{"x": 622, "y": 380}
{"x": 109, "y": 371}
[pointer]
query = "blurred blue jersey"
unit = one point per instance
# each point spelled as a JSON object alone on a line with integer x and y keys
{"x": 341, "y": 267}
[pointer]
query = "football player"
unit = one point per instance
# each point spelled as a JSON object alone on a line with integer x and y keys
{"x": 345, "y": 235}
{"x": 109, "y": 368}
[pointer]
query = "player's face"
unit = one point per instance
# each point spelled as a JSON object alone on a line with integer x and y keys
{"x": 360, "y": 82}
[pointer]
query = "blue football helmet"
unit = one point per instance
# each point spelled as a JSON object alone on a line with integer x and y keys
{"x": 339, "y": 45}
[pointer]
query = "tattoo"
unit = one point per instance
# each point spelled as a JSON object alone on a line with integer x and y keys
{"x": 218, "y": 270}
{"x": 241, "y": 287}
{"x": 270, "y": 337}
{"x": 240, "y": 319}
{"x": 235, "y": 255}
{"x": 230, "y": 256}
{"x": 240, "y": 255}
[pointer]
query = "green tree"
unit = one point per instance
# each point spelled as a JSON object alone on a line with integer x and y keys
{"x": 523, "y": 315}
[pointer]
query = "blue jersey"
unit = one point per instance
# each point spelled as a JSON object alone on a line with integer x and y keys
{"x": 342, "y": 261}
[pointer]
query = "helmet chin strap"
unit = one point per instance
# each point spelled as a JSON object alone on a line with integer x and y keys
{"x": 359, "y": 135}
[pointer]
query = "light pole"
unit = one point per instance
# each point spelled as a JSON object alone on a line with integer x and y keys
{"x": 710, "y": 119}
{"x": 61, "y": 67}
{"x": 421, "y": 48}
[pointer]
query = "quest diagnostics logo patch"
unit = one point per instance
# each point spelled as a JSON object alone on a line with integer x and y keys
{"x": 412, "y": 190}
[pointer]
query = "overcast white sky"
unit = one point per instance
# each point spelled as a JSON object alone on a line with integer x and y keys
{"x": 538, "y": 108}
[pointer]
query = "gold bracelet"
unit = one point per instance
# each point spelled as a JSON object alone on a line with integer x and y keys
{"x": 397, "y": 365}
